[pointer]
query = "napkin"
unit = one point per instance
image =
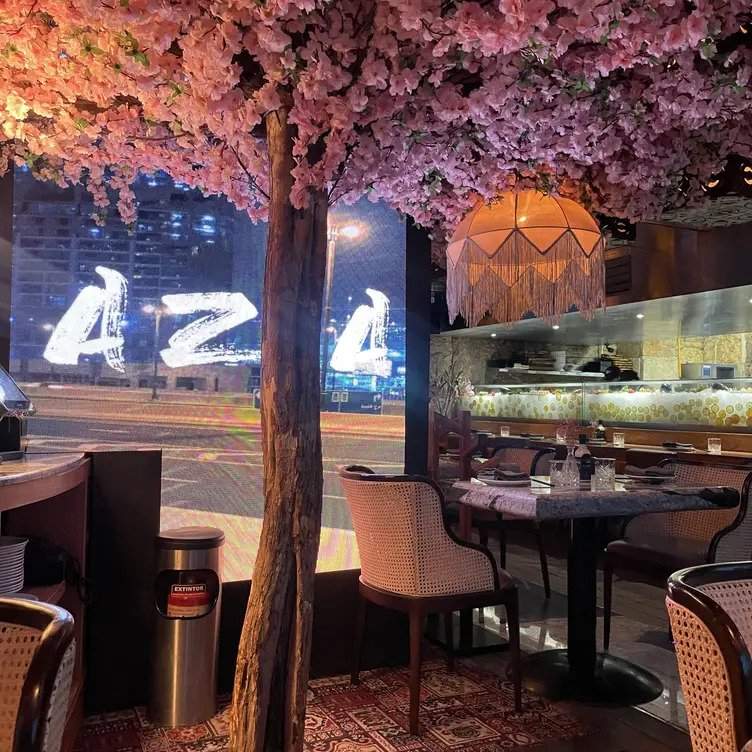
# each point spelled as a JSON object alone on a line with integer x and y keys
{"x": 650, "y": 472}
{"x": 510, "y": 475}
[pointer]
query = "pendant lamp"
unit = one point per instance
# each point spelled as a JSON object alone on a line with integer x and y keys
{"x": 525, "y": 253}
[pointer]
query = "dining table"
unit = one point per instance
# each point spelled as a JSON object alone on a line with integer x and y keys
{"x": 579, "y": 671}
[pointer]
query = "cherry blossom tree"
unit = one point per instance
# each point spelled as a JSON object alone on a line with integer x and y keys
{"x": 286, "y": 106}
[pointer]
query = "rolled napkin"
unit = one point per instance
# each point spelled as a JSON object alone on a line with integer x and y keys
{"x": 500, "y": 474}
{"x": 681, "y": 445}
{"x": 721, "y": 496}
{"x": 650, "y": 472}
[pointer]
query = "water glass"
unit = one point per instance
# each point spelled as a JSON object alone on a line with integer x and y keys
{"x": 561, "y": 435}
{"x": 618, "y": 439}
{"x": 565, "y": 473}
{"x": 556, "y": 473}
{"x": 604, "y": 474}
{"x": 714, "y": 446}
{"x": 504, "y": 431}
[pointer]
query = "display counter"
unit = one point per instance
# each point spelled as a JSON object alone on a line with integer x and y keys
{"x": 674, "y": 405}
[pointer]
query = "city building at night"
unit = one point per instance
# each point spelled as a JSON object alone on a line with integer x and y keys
{"x": 183, "y": 244}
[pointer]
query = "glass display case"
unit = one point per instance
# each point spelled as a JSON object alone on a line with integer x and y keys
{"x": 722, "y": 404}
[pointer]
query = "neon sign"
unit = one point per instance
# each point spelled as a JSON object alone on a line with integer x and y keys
{"x": 69, "y": 339}
{"x": 349, "y": 355}
{"x": 226, "y": 311}
{"x": 188, "y": 346}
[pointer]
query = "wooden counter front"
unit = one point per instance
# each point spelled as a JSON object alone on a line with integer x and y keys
{"x": 39, "y": 477}
{"x": 643, "y": 445}
{"x": 45, "y": 496}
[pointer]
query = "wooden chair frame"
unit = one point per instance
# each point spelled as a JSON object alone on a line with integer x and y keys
{"x": 56, "y": 627}
{"x": 683, "y": 590}
{"x": 656, "y": 577}
{"x": 417, "y": 608}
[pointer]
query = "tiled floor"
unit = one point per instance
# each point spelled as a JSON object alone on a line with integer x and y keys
{"x": 639, "y": 631}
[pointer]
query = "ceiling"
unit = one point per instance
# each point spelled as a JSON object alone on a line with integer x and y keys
{"x": 702, "y": 314}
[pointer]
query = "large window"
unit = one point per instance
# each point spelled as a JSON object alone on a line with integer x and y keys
{"x": 150, "y": 336}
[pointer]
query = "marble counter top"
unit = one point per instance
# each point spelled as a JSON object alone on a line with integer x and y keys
{"x": 545, "y": 503}
{"x": 37, "y": 466}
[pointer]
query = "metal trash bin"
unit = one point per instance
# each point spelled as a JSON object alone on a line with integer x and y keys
{"x": 187, "y": 599}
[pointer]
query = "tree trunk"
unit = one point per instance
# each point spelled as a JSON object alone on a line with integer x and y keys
{"x": 271, "y": 679}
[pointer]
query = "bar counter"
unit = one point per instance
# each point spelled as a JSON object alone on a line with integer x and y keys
{"x": 39, "y": 476}
{"x": 643, "y": 446}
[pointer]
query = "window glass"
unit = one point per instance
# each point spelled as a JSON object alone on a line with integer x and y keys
{"x": 150, "y": 336}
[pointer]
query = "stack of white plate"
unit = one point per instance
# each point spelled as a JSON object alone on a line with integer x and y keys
{"x": 11, "y": 563}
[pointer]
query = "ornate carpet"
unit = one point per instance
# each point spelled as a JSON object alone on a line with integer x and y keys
{"x": 462, "y": 710}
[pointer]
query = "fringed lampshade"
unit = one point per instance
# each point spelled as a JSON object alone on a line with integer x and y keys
{"x": 525, "y": 253}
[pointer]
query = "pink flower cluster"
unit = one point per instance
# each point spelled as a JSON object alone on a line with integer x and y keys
{"x": 625, "y": 105}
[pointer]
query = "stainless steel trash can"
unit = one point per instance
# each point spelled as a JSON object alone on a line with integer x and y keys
{"x": 187, "y": 600}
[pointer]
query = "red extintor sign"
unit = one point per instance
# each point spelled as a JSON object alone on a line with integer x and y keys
{"x": 188, "y": 600}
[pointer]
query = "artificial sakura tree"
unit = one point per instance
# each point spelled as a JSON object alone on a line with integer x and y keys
{"x": 286, "y": 106}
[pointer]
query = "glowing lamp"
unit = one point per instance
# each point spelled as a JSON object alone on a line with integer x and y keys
{"x": 350, "y": 231}
{"x": 525, "y": 253}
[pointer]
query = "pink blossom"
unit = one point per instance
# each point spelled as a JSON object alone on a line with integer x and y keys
{"x": 615, "y": 102}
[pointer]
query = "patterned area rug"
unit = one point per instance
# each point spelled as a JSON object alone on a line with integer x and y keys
{"x": 462, "y": 710}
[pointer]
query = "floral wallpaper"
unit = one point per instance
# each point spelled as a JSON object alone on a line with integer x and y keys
{"x": 619, "y": 404}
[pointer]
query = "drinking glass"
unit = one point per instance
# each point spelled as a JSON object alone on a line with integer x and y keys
{"x": 714, "y": 446}
{"x": 561, "y": 435}
{"x": 504, "y": 431}
{"x": 556, "y": 471}
{"x": 618, "y": 439}
{"x": 604, "y": 474}
{"x": 570, "y": 473}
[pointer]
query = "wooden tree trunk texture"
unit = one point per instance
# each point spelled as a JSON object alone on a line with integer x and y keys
{"x": 271, "y": 680}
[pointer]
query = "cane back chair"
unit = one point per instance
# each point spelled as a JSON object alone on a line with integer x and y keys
{"x": 653, "y": 546}
{"x": 412, "y": 562}
{"x": 37, "y": 655}
{"x": 710, "y": 610}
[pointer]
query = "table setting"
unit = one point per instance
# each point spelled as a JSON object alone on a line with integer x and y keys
{"x": 580, "y": 672}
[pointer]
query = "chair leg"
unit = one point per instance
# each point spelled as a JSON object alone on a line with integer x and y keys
{"x": 608, "y": 585}
{"x": 543, "y": 561}
{"x": 416, "y": 633}
{"x": 449, "y": 638}
{"x": 360, "y": 628}
{"x": 513, "y": 627}
{"x": 483, "y": 536}
{"x": 483, "y": 540}
{"x": 502, "y": 541}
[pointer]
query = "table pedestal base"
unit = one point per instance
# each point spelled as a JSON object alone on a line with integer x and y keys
{"x": 616, "y": 681}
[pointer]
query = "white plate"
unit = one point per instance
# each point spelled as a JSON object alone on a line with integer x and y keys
{"x": 494, "y": 482}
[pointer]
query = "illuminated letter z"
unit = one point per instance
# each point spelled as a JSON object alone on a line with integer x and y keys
{"x": 225, "y": 311}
